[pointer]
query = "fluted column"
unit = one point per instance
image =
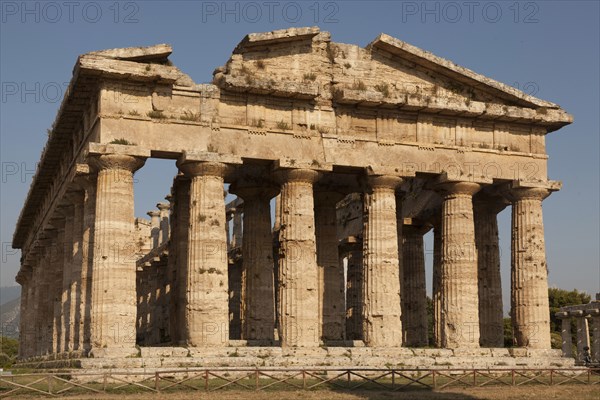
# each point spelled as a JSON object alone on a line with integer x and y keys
{"x": 47, "y": 309}
{"x": 331, "y": 273}
{"x": 352, "y": 251}
{"x": 30, "y": 314}
{"x": 65, "y": 320}
{"x": 436, "y": 279}
{"x": 583, "y": 333}
{"x": 154, "y": 227}
{"x": 84, "y": 295}
{"x": 298, "y": 273}
{"x": 24, "y": 279}
{"x": 414, "y": 292}
{"x": 56, "y": 288}
{"x": 491, "y": 314}
{"x": 459, "y": 298}
{"x": 164, "y": 222}
{"x": 76, "y": 198}
{"x": 565, "y": 333}
{"x": 113, "y": 282}
{"x": 529, "y": 272}
{"x": 381, "y": 273}
{"x": 206, "y": 306}
{"x": 257, "y": 287}
{"x": 595, "y": 348}
{"x": 182, "y": 210}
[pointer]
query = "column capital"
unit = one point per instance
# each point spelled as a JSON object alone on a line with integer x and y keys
{"x": 163, "y": 206}
{"x": 389, "y": 182}
{"x": 458, "y": 187}
{"x": 301, "y": 175}
{"x": 527, "y": 193}
{"x": 153, "y": 214}
{"x": 203, "y": 168}
{"x": 116, "y": 161}
{"x": 562, "y": 315}
{"x": 492, "y": 202}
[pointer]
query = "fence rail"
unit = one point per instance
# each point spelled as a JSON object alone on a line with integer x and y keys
{"x": 264, "y": 379}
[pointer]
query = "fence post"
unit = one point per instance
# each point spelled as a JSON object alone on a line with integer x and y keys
{"x": 49, "y": 381}
{"x": 512, "y": 372}
{"x": 256, "y": 375}
{"x": 551, "y": 377}
{"x": 206, "y": 380}
{"x": 304, "y": 379}
{"x": 156, "y": 381}
{"x": 434, "y": 380}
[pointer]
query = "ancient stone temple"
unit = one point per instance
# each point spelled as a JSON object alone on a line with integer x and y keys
{"x": 341, "y": 157}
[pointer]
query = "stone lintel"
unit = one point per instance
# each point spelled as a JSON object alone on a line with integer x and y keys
{"x": 157, "y": 52}
{"x": 120, "y": 149}
{"x": 191, "y": 156}
{"x": 288, "y": 163}
{"x": 277, "y": 36}
{"x": 551, "y": 186}
{"x": 446, "y": 177}
{"x": 562, "y": 315}
{"x": 386, "y": 170}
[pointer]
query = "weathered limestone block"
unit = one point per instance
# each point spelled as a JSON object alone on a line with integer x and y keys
{"x": 257, "y": 289}
{"x": 113, "y": 281}
{"x": 459, "y": 298}
{"x": 381, "y": 281}
{"x": 331, "y": 273}
{"x": 414, "y": 293}
{"x": 298, "y": 273}
{"x": 205, "y": 310}
{"x": 529, "y": 272}
{"x": 583, "y": 334}
{"x": 491, "y": 323}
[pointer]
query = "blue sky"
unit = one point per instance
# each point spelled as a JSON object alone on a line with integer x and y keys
{"x": 548, "y": 48}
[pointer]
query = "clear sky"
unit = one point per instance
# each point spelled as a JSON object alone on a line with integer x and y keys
{"x": 547, "y": 48}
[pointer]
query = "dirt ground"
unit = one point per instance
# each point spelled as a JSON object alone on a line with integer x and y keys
{"x": 567, "y": 392}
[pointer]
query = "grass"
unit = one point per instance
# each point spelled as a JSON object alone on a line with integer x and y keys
{"x": 156, "y": 114}
{"x": 310, "y": 76}
{"x": 359, "y": 85}
{"x": 122, "y": 141}
{"x": 384, "y": 89}
{"x": 190, "y": 116}
{"x": 282, "y": 125}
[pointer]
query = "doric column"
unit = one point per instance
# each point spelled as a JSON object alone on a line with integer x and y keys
{"x": 298, "y": 274}
{"x": 491, "y": 323}
{"x": 77, "y": 199}
{"x": 154, "y": 227}
{"x": 436, "y": 279}
{"x": 351, "y": 249}
{"x": 47, "y": 301}
{"x": 583, "y": 333}
{"x": 65, "y": 319}
{"x": 164, "y": 222}
{"x": 382, "y": 326}
{"x": 529, "y": 272}
{"x": 30, "y": 331}
{"x": 459, "y": 298}
{"x": 56, "y": 288}
{"x": 595, "y": 348}
{"x": 331, "y": 273}
{"x": 257, "y": 290}
{"x": 565, "y": 333}
{"x": 206, "y": 314}
{"x": 414, "y": 292}
{"x": 182, "y": 207}
{"x": 236, "y": 237}
{"x": 24, "y": 279}
{"x": 113, "y": 282}
{"x": 88, "y": 183}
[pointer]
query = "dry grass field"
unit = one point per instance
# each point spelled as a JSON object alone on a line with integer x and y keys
{"x": 567, "y": 392}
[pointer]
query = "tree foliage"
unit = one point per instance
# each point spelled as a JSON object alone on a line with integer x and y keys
{"x": 9, "y": 349}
